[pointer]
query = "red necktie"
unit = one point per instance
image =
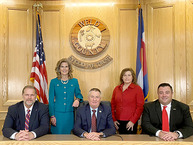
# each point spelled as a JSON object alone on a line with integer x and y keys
{"x": 165, "y": 122}
{"x": 93, "y": 127}
{"x": 27, "y": 117}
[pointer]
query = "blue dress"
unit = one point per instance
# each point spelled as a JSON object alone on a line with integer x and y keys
{"x": 61, "y": 98}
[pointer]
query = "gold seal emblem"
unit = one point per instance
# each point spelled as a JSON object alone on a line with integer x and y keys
{"x": 89, "y": 37}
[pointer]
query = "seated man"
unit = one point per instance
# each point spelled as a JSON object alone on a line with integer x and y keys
{"x": 27, "y": 119}
{"x": 167, "y": 118}
{"x": 94, "y": 119}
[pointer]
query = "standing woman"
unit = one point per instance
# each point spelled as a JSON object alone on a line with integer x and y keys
{"x": 61, "y": 98}
{"x": 127, "y": 103}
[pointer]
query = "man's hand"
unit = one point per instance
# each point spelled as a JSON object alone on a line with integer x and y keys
{"x": 24, "y": 135}
{"x": 168, "y": 136}
{"x": 92, "y": 135}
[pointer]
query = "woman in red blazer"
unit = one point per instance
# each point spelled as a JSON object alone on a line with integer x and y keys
{"x": 127, "y": 103}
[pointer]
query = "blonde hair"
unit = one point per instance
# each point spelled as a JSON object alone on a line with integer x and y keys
{"x": 57, "y": 68}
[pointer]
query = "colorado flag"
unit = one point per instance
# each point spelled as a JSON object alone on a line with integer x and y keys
{"x": 141, "y": 64}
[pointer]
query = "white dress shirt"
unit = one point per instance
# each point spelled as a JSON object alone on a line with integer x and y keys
{"x": 26, "y": 110}
{"x": 168, "y": 108}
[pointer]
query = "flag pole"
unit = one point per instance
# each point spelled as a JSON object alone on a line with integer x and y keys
{"x": 38, "y": 72}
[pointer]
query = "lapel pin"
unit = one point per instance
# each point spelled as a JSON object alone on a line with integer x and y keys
{"x": 100, "y": 111}
{"x": 174, "y": 109}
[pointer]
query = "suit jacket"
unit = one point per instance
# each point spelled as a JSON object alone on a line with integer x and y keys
{"x": 104, "y": 120}
{"x": 15, "y": 119}
{"x": 180, "y": 118}
{"x": 61, "y": 96}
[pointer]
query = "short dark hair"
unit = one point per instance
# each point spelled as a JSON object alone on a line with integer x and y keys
{"x": 165, "y": 85}
{"x": 95, "y": 89}
{"x": 30, "y": 87}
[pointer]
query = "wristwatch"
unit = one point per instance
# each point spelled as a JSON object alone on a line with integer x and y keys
{"x": 177, "y": 133}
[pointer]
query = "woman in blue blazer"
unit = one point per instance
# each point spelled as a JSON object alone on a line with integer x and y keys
{"x": 64, "y": 95}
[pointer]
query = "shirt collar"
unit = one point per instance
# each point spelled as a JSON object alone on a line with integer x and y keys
{"x": 132, "y": 85}
{"x": 93, "y": 109}
{"x": 27, "y": 108}
{"x": 168, "y": 106}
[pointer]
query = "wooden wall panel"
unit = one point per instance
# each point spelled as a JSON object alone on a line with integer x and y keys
{"x": 163, "y": 46}
{"x": 52, "y": 37}
{"x": 189, "y": 48}
{"x": 168, "y": 31}
{"x": 166, "y": 41}
{"x": 128, "y": 38}
{"x": 17, "y": 51}
{"x": 101, "y": 77}
{"x": 1, "y": 53}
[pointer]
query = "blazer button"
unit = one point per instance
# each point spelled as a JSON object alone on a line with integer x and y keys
{"x": 64, "y": 87}
{"x": 64, "y": 98}
{"x": 64, "y": 92}
{"x": 64, "y": 103}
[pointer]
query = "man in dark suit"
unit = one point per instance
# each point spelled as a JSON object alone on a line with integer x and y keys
{"x": 84, "y": 124}
{"x": 17, "y": 127}
{"x": 179, "y": 117}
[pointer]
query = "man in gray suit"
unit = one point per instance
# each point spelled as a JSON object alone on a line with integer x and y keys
{"x": 179, "y": 117}
{"x": 15, "y": 125}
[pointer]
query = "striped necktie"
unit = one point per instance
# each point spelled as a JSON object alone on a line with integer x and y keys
{"x": 27, "y": 118}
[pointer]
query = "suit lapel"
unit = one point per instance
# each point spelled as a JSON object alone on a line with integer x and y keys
{"x": 33, "y": 115}
{"x": 99, "y": 114}
{"x": 88, "y": 117}
{"x": 21, "y": 116}
{"x": 158, "y": 110}
{"x": 173, "y": 112}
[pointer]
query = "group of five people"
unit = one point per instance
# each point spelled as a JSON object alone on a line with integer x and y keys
{"x": 96, "y": 119}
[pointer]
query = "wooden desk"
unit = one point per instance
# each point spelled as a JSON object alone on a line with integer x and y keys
{"x": 112, "y": 140}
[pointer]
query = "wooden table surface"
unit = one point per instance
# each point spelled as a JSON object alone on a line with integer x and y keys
{"x": 112, "y": 140}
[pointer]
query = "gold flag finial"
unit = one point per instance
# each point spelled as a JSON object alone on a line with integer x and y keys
{"x": 38, "y": 6}
{"x": 139, "y": 5}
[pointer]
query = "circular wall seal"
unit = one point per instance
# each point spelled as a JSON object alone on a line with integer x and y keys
{"x": 89, "y": 37}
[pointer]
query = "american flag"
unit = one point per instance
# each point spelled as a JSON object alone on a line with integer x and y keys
{"x": 38, "y": 71}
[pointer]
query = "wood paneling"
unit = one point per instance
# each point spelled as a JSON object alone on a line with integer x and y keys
{"x": 128, "y": 37}
{"x": 168, "y": 36}
{"x": 130, "y": 139}
{"x": 17, "y": 52}
{"x": 160, "y": 51}
{"x": 189, "y": 52}
{"x": 52, "y": 30}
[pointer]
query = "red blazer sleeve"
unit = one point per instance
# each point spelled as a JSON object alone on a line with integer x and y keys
{"x": 140, "y": 103}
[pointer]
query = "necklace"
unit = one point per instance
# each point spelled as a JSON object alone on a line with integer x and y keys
{"x": 64, "y": 82}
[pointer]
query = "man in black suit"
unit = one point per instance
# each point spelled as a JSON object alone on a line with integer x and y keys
{"x": 180, "y": 121}
{"x": 84, "y": 123}
{"x": 15, "y": 126}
